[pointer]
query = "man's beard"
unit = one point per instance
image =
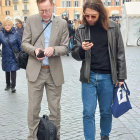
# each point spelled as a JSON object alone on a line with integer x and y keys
{"x": 47, "y": 19}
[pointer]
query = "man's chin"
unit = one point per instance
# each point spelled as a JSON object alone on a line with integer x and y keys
{"x": 46, "y": 19}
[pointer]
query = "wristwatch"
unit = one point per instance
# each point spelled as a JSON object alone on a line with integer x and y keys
{"x": 54, "y": 52}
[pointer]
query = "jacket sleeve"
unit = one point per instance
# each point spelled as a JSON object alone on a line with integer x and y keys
{"x": 27, "y": 38}
{"x": 121, "y": 62}
{"x": 62, "y": 48}
{"x": 77, "y": 52}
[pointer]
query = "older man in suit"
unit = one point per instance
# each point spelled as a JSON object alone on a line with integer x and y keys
{"x": 46, "y": 71}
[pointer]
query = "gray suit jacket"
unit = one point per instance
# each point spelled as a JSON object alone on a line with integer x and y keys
{"x": 58, "y": 40}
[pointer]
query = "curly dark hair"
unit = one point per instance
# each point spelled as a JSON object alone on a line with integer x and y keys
{"x": 98, "y": 6}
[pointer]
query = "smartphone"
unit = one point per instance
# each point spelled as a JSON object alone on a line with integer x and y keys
{"x": 41, "y": 54}
{"x": 88, "y": 40}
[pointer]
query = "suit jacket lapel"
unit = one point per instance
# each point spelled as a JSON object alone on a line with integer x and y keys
{"x": 53, "y": 30}
{"x": 40, "y": 29}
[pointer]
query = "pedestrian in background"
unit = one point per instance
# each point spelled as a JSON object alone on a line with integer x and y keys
{"x": 0, "y": 25}
{"x": 19, "y": 28}
{"x": 103, "y": 65}
{"x": 9, "y": 64}
{"x": 45, "y": 71}
{"x": 76, "y": 24}
{"x": 71, "y": 35}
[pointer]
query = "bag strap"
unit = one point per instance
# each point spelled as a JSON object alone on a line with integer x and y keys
{"x": 42, "y": 32}
{"x": 10, "y": 46}
{"x": 125, "y": 87}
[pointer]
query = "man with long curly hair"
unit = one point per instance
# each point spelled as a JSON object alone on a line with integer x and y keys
{"x": 98, "y": 44}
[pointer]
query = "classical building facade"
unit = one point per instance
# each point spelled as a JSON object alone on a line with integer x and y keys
{"x": 24, "y": 8}
{"x": 69, "y": 8}
{"x": 21, "y": 9}
{"x": 6, "y": 9}
{"x": 17, "y": 9}
{"x": 73, "y": 8}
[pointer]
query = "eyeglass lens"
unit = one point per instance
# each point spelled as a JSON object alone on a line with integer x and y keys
{"x": 88, "y": 16}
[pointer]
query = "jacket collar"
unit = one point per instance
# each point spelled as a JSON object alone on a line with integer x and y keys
{"x": 12, "y": 31}
{"x": 111, "y": 24}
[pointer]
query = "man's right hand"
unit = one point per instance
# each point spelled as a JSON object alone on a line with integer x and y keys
{"x": 86, "y": 45}
{"x": 37, "y": 52}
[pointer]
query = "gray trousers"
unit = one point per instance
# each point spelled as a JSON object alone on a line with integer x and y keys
{"x": 35, "y": 94}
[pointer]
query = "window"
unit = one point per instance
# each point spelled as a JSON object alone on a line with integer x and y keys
{"x": 68, "y": 3}
{"x": 63, "y": 4}
{"x": 76, "y": 15}
{"x": 76, "y": 3}
{"x": 107, "y": 2}
{"x": 117, "y": 2}
{"x": 7, "y": 2}
{"x": 7, "y": 12}
{"x": 15, "y": 7}
{"x": 126, "y": 1}
{"x": 25, "y": 6}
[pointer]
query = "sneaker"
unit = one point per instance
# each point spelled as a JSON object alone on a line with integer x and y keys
{"x": 7, "y": 88}
{"x": 104, "y": 138}
{"x": 13, "y": 90}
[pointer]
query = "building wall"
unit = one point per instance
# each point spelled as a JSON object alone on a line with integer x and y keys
{"x": 113, "y": 9}
{"x": 69, "y": 10}
{"x": 18, "y": 14}
{"x": 135, "y": 0}
{"x": 21, "y": 13}
{"x": 25, "y": 8}
{"x": 33, "y": 9}
{"x": 4, "y": 8}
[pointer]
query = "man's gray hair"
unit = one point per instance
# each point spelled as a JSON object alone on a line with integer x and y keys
{"x": 40, "y": 1}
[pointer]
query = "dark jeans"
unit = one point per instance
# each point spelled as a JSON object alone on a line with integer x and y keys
{"x": 11, "y": 82}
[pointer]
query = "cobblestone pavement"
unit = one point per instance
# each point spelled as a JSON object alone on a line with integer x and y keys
{"x": 13, "y": 107}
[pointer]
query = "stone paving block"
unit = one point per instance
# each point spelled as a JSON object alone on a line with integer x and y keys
{"x": 13, "y": 107}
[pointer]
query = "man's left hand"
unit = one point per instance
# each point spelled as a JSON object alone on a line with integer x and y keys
{"x": 49, "y": 51}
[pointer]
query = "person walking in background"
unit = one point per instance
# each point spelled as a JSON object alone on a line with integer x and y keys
{"x": 9, "y": 64}
{"x": 76, "y": 24}
{"x": 71, "y": 35}
{"x": 19, "y": 28}
{"x": 98, "y": 44}
{"x": 0, "y": 25}
{"x": 118, "y": 22}
{"x": 45, "y": 71}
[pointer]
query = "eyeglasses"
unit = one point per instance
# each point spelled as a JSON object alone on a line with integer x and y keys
{"x": 88, "y": 16}
{"x": 45, "y": 11}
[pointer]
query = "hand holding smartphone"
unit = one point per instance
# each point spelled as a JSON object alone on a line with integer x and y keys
{"x": 88, "y": 40}
{"x": 87, "y": 44}
{"x": 40, "y": 54}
